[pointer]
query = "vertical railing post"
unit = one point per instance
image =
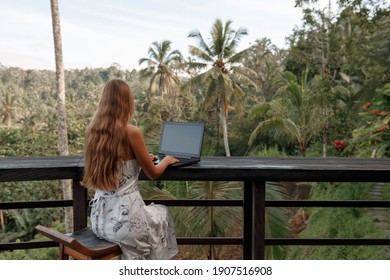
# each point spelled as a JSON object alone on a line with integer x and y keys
{"x": 254, "y": 221}
{"x": 258, "y": 198}
{"x": 248, "y": 224}
{"x": 80, "y": 206}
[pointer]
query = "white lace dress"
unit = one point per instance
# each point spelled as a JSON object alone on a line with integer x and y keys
{"x": 143, "y": 232}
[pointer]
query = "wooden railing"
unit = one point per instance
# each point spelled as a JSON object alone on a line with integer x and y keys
{"x": 253, "y": 171}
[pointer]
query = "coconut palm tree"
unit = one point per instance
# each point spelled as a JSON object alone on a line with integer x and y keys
{"x": 212, "y": 221}
{"x": 291, "y": 118}
{"x": 224, "y": 74}
{"x": 8, "y": 108}
{"x": 227, "y": 221}
{"x": 160, "y": 68}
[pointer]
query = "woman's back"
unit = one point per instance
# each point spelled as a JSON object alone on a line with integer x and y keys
{"x": 118, "y": 212}
{"x": 121, "y": 216}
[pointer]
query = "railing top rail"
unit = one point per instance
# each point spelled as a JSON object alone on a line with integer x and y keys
{"x": 40, "y": 168}
{"x": 216, "y": 169}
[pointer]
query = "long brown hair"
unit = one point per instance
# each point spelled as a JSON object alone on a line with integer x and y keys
{"x": 105, "y": 139}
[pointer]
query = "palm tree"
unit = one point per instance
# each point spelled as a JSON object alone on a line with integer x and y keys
{"x": 225, "y": 74}
{"x": 266, "y": 59}
{"x": 292, "y": 118}
{"x": 227, "y": 221}
{"x": 8, "y": 108}
{"x": 61, "y": 110}
{"x": 160, "y": 66}
{"x": 212, "y": 221}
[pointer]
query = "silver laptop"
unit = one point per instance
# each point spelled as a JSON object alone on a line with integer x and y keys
{"x": 183, "y": 140}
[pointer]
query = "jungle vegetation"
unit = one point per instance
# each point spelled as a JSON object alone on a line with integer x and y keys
{"x": 326, "y": 95}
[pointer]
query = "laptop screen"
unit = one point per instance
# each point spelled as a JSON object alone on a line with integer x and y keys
{"x": 181, "y": 139}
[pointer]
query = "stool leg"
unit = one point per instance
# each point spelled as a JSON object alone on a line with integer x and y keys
{"x": 62, "y": 254}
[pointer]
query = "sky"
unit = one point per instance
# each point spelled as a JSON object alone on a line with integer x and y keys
{"x": 98, "y": 33}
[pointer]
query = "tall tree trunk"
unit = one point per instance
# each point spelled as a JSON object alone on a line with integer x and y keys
{"x": 61, "y": 110}
{"x": 325, "y": 137}
{"x": 2, "y": 222}
{"x": 224, "y": 131}
{"x": 9, "y": 122}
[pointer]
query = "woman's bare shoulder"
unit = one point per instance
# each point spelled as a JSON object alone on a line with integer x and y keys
{"x": 132, "y": 131}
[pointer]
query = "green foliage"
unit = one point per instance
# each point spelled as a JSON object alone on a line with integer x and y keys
{"x": 339, "y": 223}
{"x": 386, "y": 191}
{"x": 15, "y": 142}
{"x": 31, "y": 254}
{"x": 19, "y": 191}
{"x": 262, "y": 95}
{"x": 373, "y": 137}
{"x": 211, "y": 221}
{"x": 276, "y": 220}
{"x": 35, "y": 254}
{"x": 344, "y": 47}
{"x": 292, "y": 117}
{"x": 20, "y": 223}
{"x": 267, "y": 152}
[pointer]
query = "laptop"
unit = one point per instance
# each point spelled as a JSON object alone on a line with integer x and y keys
{"x": 183, "y": 140}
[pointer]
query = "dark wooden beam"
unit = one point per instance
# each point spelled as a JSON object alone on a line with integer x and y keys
{"x": 216, "y": 169}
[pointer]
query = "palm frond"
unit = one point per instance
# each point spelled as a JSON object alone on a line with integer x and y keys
{"x": 290, "y": 77}
{"x": 159, "y": 50}
{"x": 153, "y": 52}
{"x": 149, "y": 61}
{"x": 238, "y": 57}
{"x": 237, "y": 90}
{"x": 291, "y": 129}
{"x": 276, "y": 219}
{"x": 213, "y": 221}
{"x": 154, "y": 83}
{"x": 219, "y": 37}
{"x": 197, "y": 80}
{"x": 236, "y": 39}
{"x": 211, "y": 94}
{"x": 260, "y": 110}
{"x": 149, "y": 190}
{"x": 231, "y": 92}
{"x": 165, "y": 46}
{"x": 216, "y": 190}
{"x": 202, "y": 44}
{"x": 173, "y": 56}
{"x": 275, "y": 127}
{"x": 195, "y": 65}
{"x": 243, "y": 79}
{"x": 244, "y": 71}
{"x": 291, "y": 89}
{"x": 195, "y": 51}
{"x": 146, "y": 73}
{"x": 172, "y": 76}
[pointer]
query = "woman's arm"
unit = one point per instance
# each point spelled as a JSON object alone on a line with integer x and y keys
{"x": 138, "y": 149}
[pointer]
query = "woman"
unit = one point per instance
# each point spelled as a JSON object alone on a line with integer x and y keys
{"x": 115, "y": 154}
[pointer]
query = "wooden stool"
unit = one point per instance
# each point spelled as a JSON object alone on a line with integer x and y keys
{"x": 81, "y": 245}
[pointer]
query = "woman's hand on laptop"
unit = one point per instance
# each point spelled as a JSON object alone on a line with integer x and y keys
{"x": 153, "y": 157}
{"x": 170, "y": 160}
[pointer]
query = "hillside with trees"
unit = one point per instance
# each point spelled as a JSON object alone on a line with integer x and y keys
{"x": 326, "y": 95}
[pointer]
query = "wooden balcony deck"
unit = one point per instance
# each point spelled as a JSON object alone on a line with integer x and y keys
{"x": 253, "y": 171}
